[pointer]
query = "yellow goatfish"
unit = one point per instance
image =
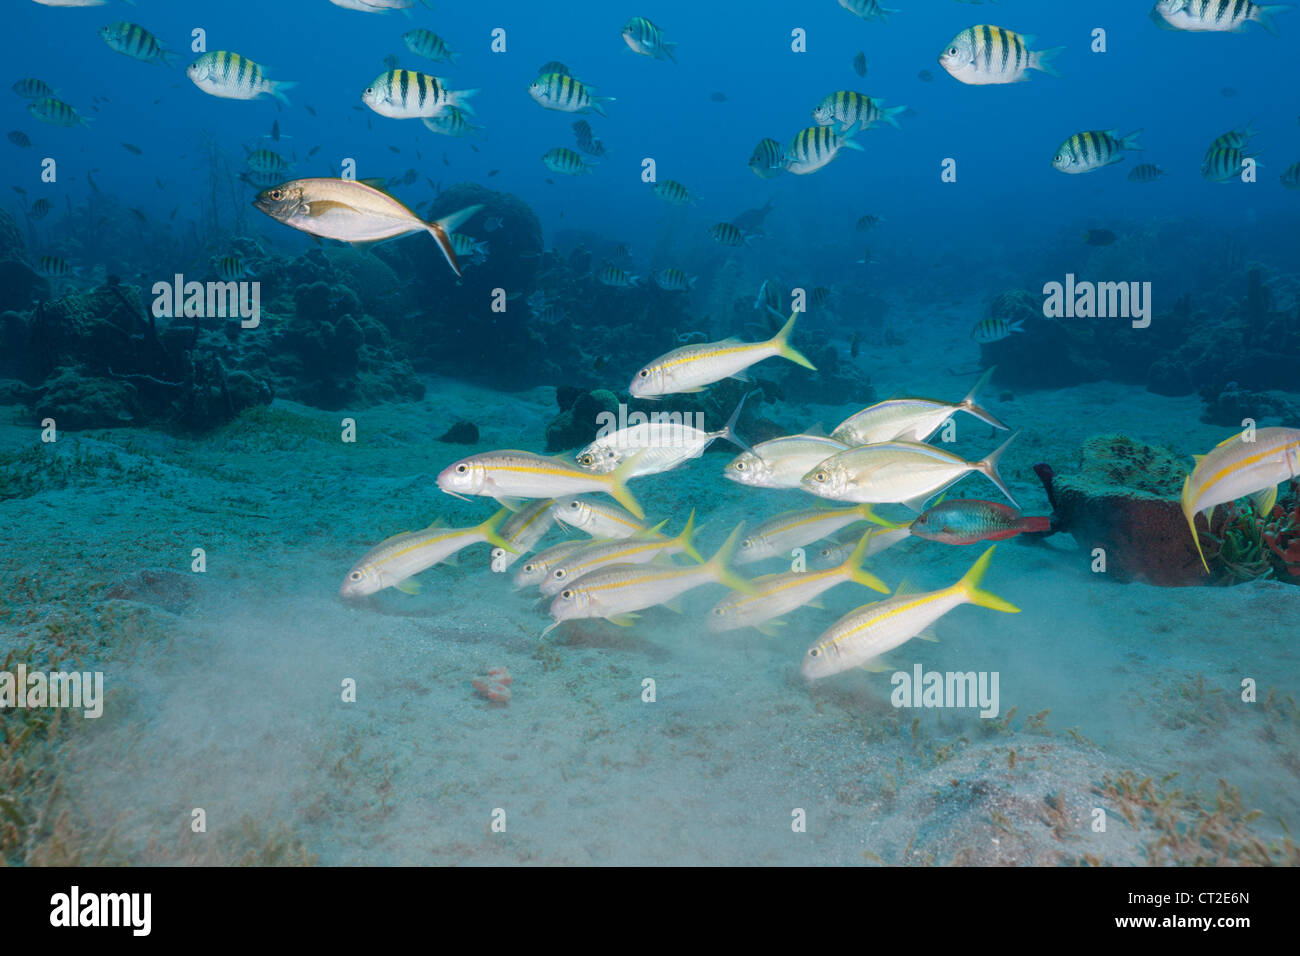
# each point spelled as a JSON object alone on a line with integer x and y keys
{"x": 691, "y": 367}
{"x": 392, "y": 562}
{"x": 511, "y": 474}
{"x": 522, "y": 530}
{"x": 351, "y": 211}
{"x": 776, "y": 594}
{"x": 793, "y": 529}
{"x": 598, "y": 519}
{"x": 871, "y": 630}
{"x": 615, "y": 591}
{"x": 535, "y": 569}
{"x": 1240, "y": 468}
{"x": 641, "y": 549}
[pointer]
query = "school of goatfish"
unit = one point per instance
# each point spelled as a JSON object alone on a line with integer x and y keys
{"x": 880, "y": 456}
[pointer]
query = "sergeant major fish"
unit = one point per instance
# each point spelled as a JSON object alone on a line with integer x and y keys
{"x": 409, "y": 94}
{"x": 816, "y": 146}
{"x": 1092, "y": 150}
{"x": 234, "y": 77}
{"x": 1215, "y": 15}
{"x": 983, "y": 55}
{"x": 645, "y": 38}
{"x": 559, "y": 91}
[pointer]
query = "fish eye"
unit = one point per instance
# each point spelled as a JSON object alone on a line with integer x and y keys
{"x": 952, "y": 51}
{"x": 461, "y": 469}
{"x": 575, "y": 505}
{"x": 719, "y": 611}
{"x": 740, "y": 466}
{"x": 644, "y": 373}
{"x": 529, "y": 567}
{"x": 370, "y": 91}
{"x": 820, "y": 476}
{"x": 276, "y": 194}
{"x": 560, "y": 573}
{"x": 586, "y": 460}
{"x": 747, "y": 543}
{"x": 566, "y": 593}
{"x": 354, "y": 576}
{"x": 813, "y": 652}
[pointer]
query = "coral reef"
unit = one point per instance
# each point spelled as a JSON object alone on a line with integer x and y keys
{"x": 1228, "y": 404}
{"x": 1251, "y": 545}
{"x": 1124, "y": 498}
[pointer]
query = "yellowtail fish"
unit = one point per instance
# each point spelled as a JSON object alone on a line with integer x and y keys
{"x": 409, "y": 94}
{"x": 392, "y": 562}
{"x": 450, "y": 122}
{"x": 351, "y": 211}
{"x": 988, "y": 331}
{"x": 674, "y": 280}
{"x": 847, "y": 109}
{"x": 814, "y": 147}
{"x": 768, "y": 159}
{"x": 662, "y": 443}
{"x": 645, "y": 38}
{"x": 674, "y": 193}
{"x": 598, "y": 519}
{"x": 1093, "y": 150}
{"x": 1225, "y": 165}
{"x": 867, "y": 9}
{"x": 910, "y": 419}
{"x": 1290, "y": 179}
{"x": 898, "y": 472}
{"x": 522, "y": 530}
{"x": 692, "y": 367}
{"x": 873, "y": 629}
{"x": 429, "y": 45}
{"x": 133, "y": 40}
{"x": 509, "y": 474}
{"x": 31, "y": 88}
{"x": 616, "y": 591}
{"x": 234, "y": 77}
{"x": 782, "y": 462}
{"x": 639, "y": 549}
{"x": 55, "y": 112}
{"x": 984, "y": 54}
{"x": 534, "y": 570}
{"x": 880, "y": 539}
{"x": 1238, "y": 468}
{"x": 793, "y": 529}
{"x": 560, "y": 91}
{"x": 1215, "y": 15}
{"x": 566, "y": 162}
{"x": 777, "y": 594}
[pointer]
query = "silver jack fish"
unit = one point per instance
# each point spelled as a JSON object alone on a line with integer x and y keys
{"x": 782, "y": 462}
{"x": 909, "y": 419}
{"x": 351, "y": 211}
{"x": 664, "y": 445}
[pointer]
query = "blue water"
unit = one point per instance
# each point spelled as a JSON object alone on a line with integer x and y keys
{"x": 589, "y": 772}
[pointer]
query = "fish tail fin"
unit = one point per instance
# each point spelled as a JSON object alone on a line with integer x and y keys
{"x": 887, "y": 115}
{"x": 847, "y": 136}
{"x": 1041, "y": 60}
{"x": 869, "y": 514}
{"x": 720, "y": 564}
{"x": 616, "y": 484}
{"x": 968, "y": 403}
{"x": 1131, "y": 141}
{"x": 279, "y": 86}
{"x": 598, "y": 104}
{"x": 1265, "y": 13}
{"x": 168, "y": 57}
{"x": 1190, "y": 515}
{"x": 668, "y": 49}
{"x": 856, "y": 572}
{"x": 460, "y": 100}
{"x": 684, "y": 541}
{"x": 989, "y": 467}
{"x": 969, "y": 585}
{"x": 784, "y": 349}
{"x": 489, "y": 530}
{"x": 729, "y": 430}
{"x": 442, "y": 229}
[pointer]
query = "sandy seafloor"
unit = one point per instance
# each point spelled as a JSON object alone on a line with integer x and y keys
{"x": 233, "y": 703}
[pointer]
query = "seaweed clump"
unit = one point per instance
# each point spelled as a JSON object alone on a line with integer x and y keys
{"x": 1252, "y": 545}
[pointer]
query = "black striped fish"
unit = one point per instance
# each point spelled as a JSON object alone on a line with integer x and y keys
{"x": 1224, "y": 164}
{"x": 984, "y": 54}
{"x": 429, "y": 45}
{"x": 867, "y": 9}
{"x": 40, "y": 209}
{"x": 566, "y": 162}
{"x": 234, "y": 77}
{"x": 1214, "y": 15}
{"x": 674, "y": 280}
{"x": 1234, "y": 139}
{"x": 230, "y": 268}
{"x": 133, "y": 40}
{"x": 266, "y": 161}
{"x": 1088, "y": 151}
{"x": 767, "y": 160}
{"x": 19, "y": 139}
{"x": 53, "y": 267}
{"x": 674, "y": 193}
{"x": 846, "y": 108}
{"x": 725, "y": 234}
{"x": 409, "y": 94}
{"x": 988, "y": 331}
{"x": 56, "y": 112}
{"x": 645, "y": 38}
{"x": 559, "y": 91}
{"x": 554, "y": 66}
{"x": 816, "y": 146}
{"x": 587, "y": 141}
{"x": 450, "y": 122}
{"x": 31, "y": 88}
{"x": 1145, "y": 173}
{"x": 613, "y": 276}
